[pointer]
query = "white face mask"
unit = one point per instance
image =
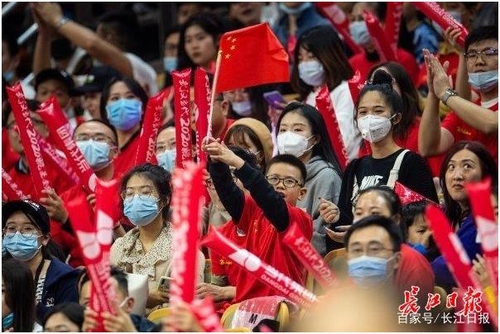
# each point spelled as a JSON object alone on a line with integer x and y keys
{"x": 242, "y": 108}
{"x": 374, "y": 128}
{"x": 312, "y": 72}
{"x": 292, "y": 143}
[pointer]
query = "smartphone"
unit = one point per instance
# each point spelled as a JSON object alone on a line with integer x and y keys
{"x": 164, "y": 284}
{"x": 334, "y": 229}
{"x": 274, "y": 98}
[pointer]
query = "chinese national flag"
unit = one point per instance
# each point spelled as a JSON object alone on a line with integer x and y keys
{"x": 251, "y": 56}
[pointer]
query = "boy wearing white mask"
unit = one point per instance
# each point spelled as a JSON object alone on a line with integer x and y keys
{"x": 468, "y": 121}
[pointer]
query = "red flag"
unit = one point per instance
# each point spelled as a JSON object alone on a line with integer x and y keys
{"x": 406, "y": 195}
{"x": 250, "y": 56}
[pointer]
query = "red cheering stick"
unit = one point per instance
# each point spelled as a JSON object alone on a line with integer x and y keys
{"x": 378, "y": 37}
{"x": 10, "y": 189}
{"x": 259, "y": 269}
{"x": 152, "y": 122}
{"x": 393, "y": 16}
{"x": 58, "y": 126}
{"x": 28, "y": 136}
{"x": 202, "y": 95}
{"x": 437, "y": 14}
{"x": 325, "y": 106}
{"x": 479, "y": 197}
{"x": 310, "y": 258}
{"x": 182, "y": 116}
{"x": 339, "y": 20}
{"x": 187, "y": 203}
{"x": 204, "y": 312}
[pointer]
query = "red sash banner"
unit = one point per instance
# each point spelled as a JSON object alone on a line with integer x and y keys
{"x": 58, "y": 125}
{"x": 310, "y": 258}
{"x": 484, "y": 216}
{"x": 204, "y": 312}
{"x": 95, "y": 241}
{"x": 339, "y": 20}
{"x": 28, "y": 136}
{"x": 325, "y": 106}
{"x": 187, "y": 203}
{"x": 202, "y": 95}
{"x": 394, "y": 12}
{"x": 182, "y": 114}
{"x": 450, "y": 246}
{"x": 146, "y": 149}
{"x": 378, "y": 37}
{"x": 58, "y": 162}
{"x": 355, "y": 85}
{"x": 437, "y": 14}
{"x": 259, "y": 269}
{"x": 10, "y": 189}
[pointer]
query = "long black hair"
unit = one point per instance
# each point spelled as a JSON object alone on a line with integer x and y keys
{"x": 19, "y": 294}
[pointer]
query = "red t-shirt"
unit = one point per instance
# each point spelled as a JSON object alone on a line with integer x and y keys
{"x": 263, "y": 240}
{"x": 125, "y": 160}
{"x": 406, "y": 59}
{"x": 9, "y": 157}
{"x": 414, "y": 270}
{"x": 463, "y": 131}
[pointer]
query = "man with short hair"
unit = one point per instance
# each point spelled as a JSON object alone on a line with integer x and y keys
{"x": 373, "y": 246}
{"x": 468, "y": 120}
{"x": 119, "y": 283}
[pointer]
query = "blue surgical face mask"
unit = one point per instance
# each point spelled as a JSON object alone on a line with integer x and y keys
{"x": 368, "y": 271}
{"x": 96, "y": 153}
{"x": 8, "y": 75}
{"x": 124, "y": 114}
{"x": 419, "y": 248}
{"x": 139, "y": 210}
{"x": 312, "y": 72}
{"x": 7, "y": 321}
{"x": 167, "y": 160}
{"x": 294, "y": 11}
{"x": 359, "y": 33}
{"x": 170, "y": 64}
{"x": 242, "y": 108}
{"x": 483, "y": 81}
{"x": 21, "y": 248}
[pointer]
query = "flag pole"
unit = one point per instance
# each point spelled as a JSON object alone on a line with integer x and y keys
{"x": 212, "y": 98}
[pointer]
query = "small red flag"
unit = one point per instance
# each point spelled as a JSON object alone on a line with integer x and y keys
{"x": 250, "y": 56}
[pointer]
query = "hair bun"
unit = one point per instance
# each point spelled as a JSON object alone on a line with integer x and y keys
{"x": 381, "y": 77}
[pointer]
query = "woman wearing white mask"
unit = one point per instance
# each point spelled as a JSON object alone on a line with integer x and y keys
{"x": 321, "y": 60}
{"x": 26, "y": 237}
{"x": 378, "y": 109}
{"x": 302, "y": 133}
{"x": 123, "y": 102}
{"x": 147, "y": 249}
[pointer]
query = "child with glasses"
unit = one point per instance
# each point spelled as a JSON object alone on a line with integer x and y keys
{"x": 263, "y": 215}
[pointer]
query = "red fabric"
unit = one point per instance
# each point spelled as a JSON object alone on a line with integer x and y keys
{"x": 125, "y": 160}
{"x": 406, "y": 59}
{"x": 250, "y": 56}
{"x": 229, "y": 122}
{"x": 25, "y": 182}
{"x": 263, "y": 240}
{"x": 414, "y": 269}
{"x": 462, "y": 131}
{"x": 378, "y": 37}
{"x": 9, "y": 157}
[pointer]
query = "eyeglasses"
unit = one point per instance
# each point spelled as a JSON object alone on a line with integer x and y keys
{"x": 210, "y": 184}
{"x": 97, "y": 137}
{"x": 143, "y": 192}
{"x": 12, "y": 126}
{"x": 374, "y": 249}
{"x": 288, "y": 182}
{"x": 489, "y": 52}
{"x": 26, "y": 231}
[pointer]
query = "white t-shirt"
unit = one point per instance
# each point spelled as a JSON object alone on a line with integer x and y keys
{"x": 344, "y": 110}
{"x": 143, "y": 73}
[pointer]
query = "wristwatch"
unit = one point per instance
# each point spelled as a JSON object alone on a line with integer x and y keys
{"x": 447, "y": 94}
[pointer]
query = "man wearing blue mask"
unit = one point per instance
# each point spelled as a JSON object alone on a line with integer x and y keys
{"x": 97, "y": 142}
{"x": 373, "y": 247}
{"x": 468, "y": 120}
